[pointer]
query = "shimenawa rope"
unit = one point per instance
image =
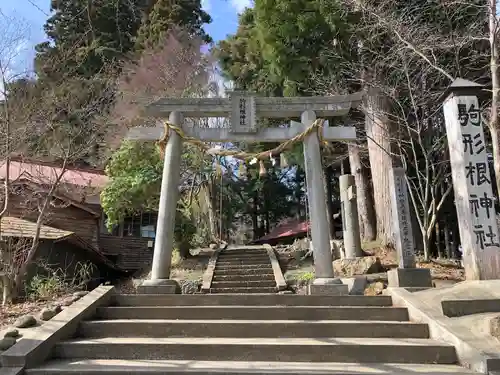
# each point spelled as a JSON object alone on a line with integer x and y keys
{"x": 245, "y": 156}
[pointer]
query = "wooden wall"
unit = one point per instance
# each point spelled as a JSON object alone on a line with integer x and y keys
{"x": 24, "y": 205}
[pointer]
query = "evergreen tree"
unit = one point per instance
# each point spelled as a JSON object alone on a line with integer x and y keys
{"x": 168, "y": 14}
{"x": 86, "y": 36}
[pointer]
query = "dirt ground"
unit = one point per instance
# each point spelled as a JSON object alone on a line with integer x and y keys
{"x": 9, "y": 313}
{"x": 441, "y": 269}
{"x": 301, "y": 272}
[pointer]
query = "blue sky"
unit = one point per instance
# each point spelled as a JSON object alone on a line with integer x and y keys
{"x": 33, "y": 13}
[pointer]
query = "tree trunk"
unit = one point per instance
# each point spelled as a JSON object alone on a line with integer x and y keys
{"x": 208, "y": 196}
{"x": 6, "y": 290}
{"x": 364, "y": 199}
{"x": 329, "y": 201}
{"x": 496, "y": 155}
{"x": 447, "y": 241}
{"x": 255, "y": 215}
{"x": 495, "y": 87}
{"x": 455, "y": 238}
{"x": 265, "y": 193}
{"x": 425, "y": 243}
{"x": 379, "y": 133}
{"x": 184, "y": 250}
{"x": 439, "y": 248}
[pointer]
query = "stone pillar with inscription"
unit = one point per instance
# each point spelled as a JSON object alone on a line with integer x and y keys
{"x": 350, "y": 221}
{"x": 406, "y": 275}
{"x": 471, "y": 175}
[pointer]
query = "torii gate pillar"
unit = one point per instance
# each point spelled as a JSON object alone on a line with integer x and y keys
{"x": 160, "y": 282}
{"x": 325, "y": 281}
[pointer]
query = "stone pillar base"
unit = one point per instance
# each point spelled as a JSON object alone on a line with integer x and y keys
{"x": 328, "y": 287}
{"x": 409, "y": 278}
{"x": 159, "y": 286}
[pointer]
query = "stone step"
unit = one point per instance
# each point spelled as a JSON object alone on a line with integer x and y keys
{"x": 243, "y": 257}
{"x": 244, "y": 284}
{"x": 239, "y": 262}
{"x": 255, "y": 312}
{"x": 265, "y": 266}
{"x": 140, "y": 367}
{"x": 264, "y": 276}
{"x": 244, "y": 251}
{"x": 242, "y": 271}
{"x": 366, "y": 350}
{"x": 251, "y": 328}
{"x": 245, "y": 261}
{"x": 234, "y": 290}
{"x": 251, "y": 300}
{"x": 222, "y": 265}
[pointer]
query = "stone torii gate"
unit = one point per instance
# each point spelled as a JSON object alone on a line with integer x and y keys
{"x": 243, "y": 110}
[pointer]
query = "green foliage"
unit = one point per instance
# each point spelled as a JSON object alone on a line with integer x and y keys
{"x": 166, "y": 15}
{"x": 280, "y": 43}
{"x": 135, "y": 171}
{"x": 241, "y": 59}
{"x": 51, "y": 283}
{"x": 85, "y": 37}
{"x": 305, "y": 276}
{"x": 41, "y": 287}
{"x": 294, "y": 36}
{"x": 184, "y": 226}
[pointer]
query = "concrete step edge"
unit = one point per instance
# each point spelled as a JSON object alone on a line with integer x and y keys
{"x": 260, "y": 349}
{"x": 244, "y": 277}
{"x": 240, "y": 259}
{"x": 244, "y": 283}
{"x": 243, "y": 271}
{"x": 244, "y": 263}
{"x": 235, "y": 290}
{"x": 214, "y": 312}
{"x": 146, "y": 300}
{"x": 252, "y": 321}
{"x": 140, "y": 367}
{"x": 252, "y": 328}
{"x": 266, "y": 267}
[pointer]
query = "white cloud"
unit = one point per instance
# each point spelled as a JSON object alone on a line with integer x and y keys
{"x": 240, "y": 5}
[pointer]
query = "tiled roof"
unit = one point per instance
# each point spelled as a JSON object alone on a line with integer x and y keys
{"x": 289, "y": 228}
{"x": 46, "y": 174}
{"x": 15, "y": 227}
{"x": 19, "y": 228}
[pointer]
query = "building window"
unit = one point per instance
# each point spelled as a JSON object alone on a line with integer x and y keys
{"x": 104, "y": 227}
{"x": 148, "y": 225}
{"x": 132, "y": 226}
{"x": 142, "y": 225}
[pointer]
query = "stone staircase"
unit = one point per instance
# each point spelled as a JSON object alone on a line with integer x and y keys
{"x": 243, "y": 270}
{"x": 250, "y": 334}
